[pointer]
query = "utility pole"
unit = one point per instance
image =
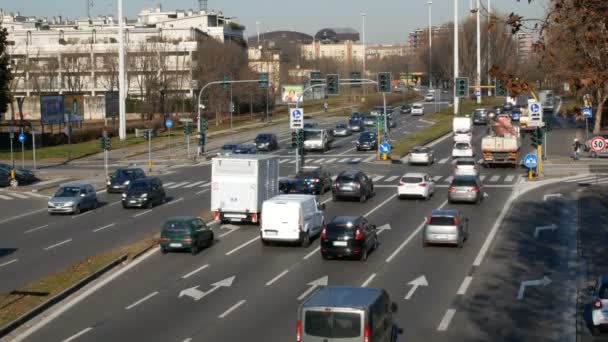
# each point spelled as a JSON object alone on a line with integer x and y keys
{"x": 430, "y": 2}
{"x": 364, "y": 54}
{"x": 456, "y": 72}
{"x": 478, "y": 53}
{"x": 488, "y": 48}
{"x": 122, "y": 118}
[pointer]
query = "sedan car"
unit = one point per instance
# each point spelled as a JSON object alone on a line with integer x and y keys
{"x": 352, "y": 184}
{"x": 418, "y": 109}
{"x": 317, "y": 179}
{"x": 465, "y": 189}
{"x": 416, "y": 185}
{"x": 144, "y": 193}
{"x": 245, "y": 149}
{"x": 462, "y": 149}
{"x": 266, "y": 142}
{"x": 369, "y": 120}
{"x": 348, "y": 236}
{"x": 227, "y": 150}
{"x": 406, "y": 109}
{"x": 367, "y": 141}
{"x": 445, "y": 227}
{"x": 356, "y": 116}
{"x": 185, "y": 233}
{"x": 121, "y": 178}
{"x": 356, "y": 125}
{"x": 421, "y": 155}
{"x": 599, "y": 305}
{"x": 22, "y": 176}
{"x": 429, "y": 98}
{"x": 72, "y": 199}
{"x": 294, "y": 186}
{"x": 480, "y": 116}
{"x": 466, "y": 167}
{"x": 342, "y": 130}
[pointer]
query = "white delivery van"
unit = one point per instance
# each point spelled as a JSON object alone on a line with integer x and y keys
{"x": 291, "y": 218}
{"x": 240, "y": 184}
{"x": 463, "y": 129}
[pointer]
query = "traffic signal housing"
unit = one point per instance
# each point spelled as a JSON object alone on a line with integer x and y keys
{"x": 263, "y": 80}
{"x": 332, "y": 84}
{"x": 461, "y": 87}
{"x": 294, "y": 139}
{"x": 355, "y": 79}
{"x": 537, "y": 138}
{"x": 105, "y": 143}
{"x": 500, "y": 89}
{"x": 225, "y": 84}
{"x": 384, "y": 82}
{"x": 316, "y": 78}
{"x": 187, "y": 129}
{"x": 146, "y": 134}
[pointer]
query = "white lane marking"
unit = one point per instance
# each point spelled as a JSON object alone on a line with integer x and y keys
{"x": 194, "y": 184}
{"x": 391, "y": 178}
{"x": 104, "y": 227}
{"x": 445, "y": 321}
{"x": 168, "y": 184}
{"x": 377, "y": 178}
{"x": 206, "y": 185}
{"x": 437, "y": 178}
{"x": 77, "y": 335}
{"x": 356, "y": 160}
{"x": 18, "y": 195}
{"x": 343, "y": 160}
{"x": 282, "y": 161}
{"x": 462, "y": 290}
{"x": 35, "y": 229}
{"x": 482, "y": 177}
{"x": 143, "y": 213}
{"x": 38, "y": 195}
{"x": 176, "y": 201}
{"x": 330, "y": 160}
{"x": 449, "y": 179}
{"x": 202, "y": 191}
{"x": 195, "y": 271}
{"x": 6, "y": 198}
{"x": 292, "y": 162}
{"x": 509, "y": 178}
{"x": 102, "y": 191}
{"x": 141, "y": 300}
{"x": 83, "y": 214}
{"x": 232, "y": 308}
{"x": 9, "y": 262}
{"x": 494, "y": 178}
{"x": 315, "y": 251}
{"x": 177, "y": 185}
{"x": 380, "y": 205}
{"x": 444, "y": 160}
{"x": 312, "y": 160}
{"x": 115, "y": 203}
{"x": 368, "y": 280}
{"x": 189, "y": 339}
{"x": 370, "y": 159}
{"x": 345, "y": 152}
{"x": 244, "y": 245}
{"x": 581, "y": 179}
{"x": 273, "y": 280}
{"x": 58, "y": 244}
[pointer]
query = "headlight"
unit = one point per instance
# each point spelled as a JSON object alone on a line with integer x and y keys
{"x": 127, "y": 182}
{"x": 109, "y": 183}
{"x": 50, "y": 204}
{"x": 124, "y": 195}
{"x": 144, "y": 195}
{"x": 69, "y": 204}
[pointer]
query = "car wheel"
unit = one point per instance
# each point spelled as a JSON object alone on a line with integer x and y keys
{"x": 362, "y": 198}
{"x": 363, "y": 256}
{"x": 194, "y": 249}
{"x": 376, "y": 243}
{"x": 149, "y": 204}
{"x": 595, "y": 330}
{"x": 124, "y": 206}
{"x": 305, "y": 240}
{"x": 163, "y": 251}
{"x": 265, "y": 242}
{"x": 461, "y": 242}
{"x": 77, "y": 210}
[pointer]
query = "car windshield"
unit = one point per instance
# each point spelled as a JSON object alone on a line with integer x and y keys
{"x": 412, "y": 179}
{"x": 367, "y": 136}
{"x": 332, "y": 325}
{"x": 68, "y": 191}
{"x": 418, "y": 106}
{"x": 462, "y": 146}
{"x": 229, "y": 147}
{"x": 123, "y": 173}
{"x": 263, "y": 137}
{"x": 464, "y": 182}
{"x": 308, "y": 174}
{"x": 138, "y": 186}
{"x": 312, "y": 134}
{"x": 346, "y": 178}
{"x": 310, "y": 124}
{"x": 176, "y": 227}
{"x": 419, "y": 150}
{"x": 442, "y": 221}
{"x": 341, "y": 125}
{"x": 465, "y": 162}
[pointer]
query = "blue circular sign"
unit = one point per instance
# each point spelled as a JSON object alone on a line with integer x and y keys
{"x": 530, "y": 160}
{"x": 384, "y": 148}
{"x": 587, "y": 112}
{"x": 296, "y": 114}
{"x": 22, "y": 138}
{"x": 169, "y": 123}
{"x": 535, "y": 107}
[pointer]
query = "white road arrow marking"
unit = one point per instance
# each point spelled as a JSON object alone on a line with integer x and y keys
{"x": 382, "y": 228}
{"x": 197, "y": 294}
{"x": 546, "y": 197}
{"x": 539, "y": 282}
{"x": 537, "y": 230}
{"x": 313, "y": 285}
{"x": 420, "y": 281}
{"x": 230, "y": 227}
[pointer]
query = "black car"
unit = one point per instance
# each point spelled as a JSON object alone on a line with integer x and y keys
{"x": 144, "y": 193}
{"x": 356, "y": 125}
{"x": 356, "y": 116}
{"x": 293, "y": 186}
{"x": 245, "y": 149}
{"x": 317, "y": 179}
{"x": 22, "y": 176}
{"x": 5, "y": 178}
{"x": 406, "y": 109}
{"x": 348, "y": 236}
{"x": 352, "y": 184}
{"x": 367, "y": 141}
{"x": 121, "y": 179}
{"x": 480, "y": 116}
{"x": 266, "y": 142}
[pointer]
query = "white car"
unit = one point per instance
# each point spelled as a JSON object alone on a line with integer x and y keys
{"x": 417, "y": 109}
{"x": 466, "y": 137}
{"x": 466, "y": 167}
{"x": 421, "y": 155}
{"x": 462, "y": 149}
{"x": 429, "y": 98}
{"x": 416, "y": 185}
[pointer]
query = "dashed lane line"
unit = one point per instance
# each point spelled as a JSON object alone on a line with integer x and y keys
{"x": 141, "y": 300}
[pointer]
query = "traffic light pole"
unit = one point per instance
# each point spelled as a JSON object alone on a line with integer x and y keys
{"x": 149, "y": 150}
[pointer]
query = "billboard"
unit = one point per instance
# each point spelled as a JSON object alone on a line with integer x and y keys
{"x": 112, "y": 104}
{"x": 51, "y": 109}
{"x": 291, "y": 93}
{"x": 73, "y": 106}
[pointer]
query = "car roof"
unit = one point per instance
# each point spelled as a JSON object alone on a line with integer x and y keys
{"x": 291, "y": 198}
{"x": 181, "y": 219}
{"x": 75, "y": 184}
{"x": 345, "y": 219}
{"x": 344, "y": 296}
{"x": 445, "y": 212}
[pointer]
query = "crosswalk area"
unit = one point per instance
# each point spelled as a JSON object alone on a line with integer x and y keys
{"x": 14, "y": 195}
{"x": 485, "y": 179}
{"x": 186, "y": 185}
{"x": 313, "y": 160}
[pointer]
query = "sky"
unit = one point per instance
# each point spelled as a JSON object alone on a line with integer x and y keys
{"x": 386, "y": 21}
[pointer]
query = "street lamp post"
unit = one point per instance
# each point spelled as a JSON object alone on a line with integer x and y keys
{"x": 488, "y": 49}
{"x": 364, "y": 52}
{"x": 430, "y": 2}
{"x": 122, "y": 118}
{"x": 478, "y": 90}
{"x": 456, "y": 72}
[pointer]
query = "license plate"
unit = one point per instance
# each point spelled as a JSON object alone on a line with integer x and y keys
{"x": 132, "y": 202}
{"x": 347, "y": 188}
{"x": 271, "y": 233}
{"x": 175, "y": 245}
{"x": 441, "y": 237}
{"x": 340, "y": 243}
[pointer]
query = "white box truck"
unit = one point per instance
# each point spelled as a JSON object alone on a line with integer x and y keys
{"x": 240, "y": 184}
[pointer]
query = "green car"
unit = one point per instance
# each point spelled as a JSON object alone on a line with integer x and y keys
{"x": 185, "y": 233}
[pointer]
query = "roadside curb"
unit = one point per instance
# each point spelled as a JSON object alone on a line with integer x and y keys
{"x": 12, "y": 326}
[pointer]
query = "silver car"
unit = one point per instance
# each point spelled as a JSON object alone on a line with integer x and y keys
{"x": 421, "y": 155}
{"x": 466, "y": 167}
{"x": 72, "y": 199}
{"x": 445, "y": 227}
{"x": 465, "y": 189}
{"x": 599, "y": 305}
{"x": 342, "y": 130}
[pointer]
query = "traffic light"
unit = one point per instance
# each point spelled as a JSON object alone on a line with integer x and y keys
{"x": 356, "y": 79}
{"x": 294, "y": 139}
{"x": 462, "y": 87}
{"x": 332, "y": 84}
{"x": 187, "y": 129}
{"x": 315, "y": 78}
{"x": 146, "y": 134}
{"x": 263, "y": 80}
{"x": 105, "y": 143}
{"x": 301, "y": 138}
{"x": 204, "y": 124}
{"x": 537, "y": 137}
{"x": 225, "y": 84}
{"x": 548, "y": 125}
{"x": 500, "y": 89}
{"x": 384, "y": 82}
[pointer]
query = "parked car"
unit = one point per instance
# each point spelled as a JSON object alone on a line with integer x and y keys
{"x": 317, "y": 179}
{"x": 465, "y": 189}
{"x": 480, "y": 116}
{"x": 121, "y": 178}
{"x": 245, "y": 149}
{"x": 417, "y": 109}
{"x": 266, "y": 142}
{"x": 185, "y": 233}
{"x": 342, "y": 130}
{"x": 72, "y": 199}
{"x": 5, "y": 178}
{"x": 445, "y": 227}
{"x": 348, "y": 236}
{"x": 227, "y": 149}
{"x": 22, "y": 176}
{"x": 356, "y": 125}
{"x": 367, "y": 141}
{"x": 416, "y": 185}
{"x": 352, "y": 184}
{"x": 291, "y": 218}
{"x": 599, "y": 303}
{"x": 466, "y": 167}
{"x": 462, "y": 149}
{"x": 144, "y": 193}
{"x": 293, "y": 186}
{"x": 421, "y": 155}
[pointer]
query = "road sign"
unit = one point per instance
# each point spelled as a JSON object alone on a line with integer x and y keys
{"x": 384, "y": 148}
{"x": 296, "y": 118}
{"x": 169, "y": 123}
{"x": 477, "y": 93}
{"x": 587, "y": 112}
{"x": 11, "y": 133}
{"x": 598, "y": 144}
{"x": 21, "y": 138}
{"x": 185, "y": 120}
{"x": 535, "y": 112}
{"x": 530, "y": 160}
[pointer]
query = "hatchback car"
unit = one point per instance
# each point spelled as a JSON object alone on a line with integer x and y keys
{"x": 317, "y": 179}
{"x": 348, "y": 236}
{"x": 369, "y": 120}
{"x": 22, "y": 176}
{"x": 185, "y": 233}
{"x": 266, "y": 142}
{"x": 599, "y": 305}
{"x": 5, "y": 178}
{"x": 121, "y": 178}
{"x": 462, "y": 149}
{"x": 445, "y": 227}
{"x": 367, "y": 141}
{"x": 227, "y": 149}
{"x": 144, "y": 193}
{"x": 293, "y": 186}
{"x": 356, "y": 125}
{"x": 245, "y": 149}
{"x": 72, "y": 199}
{"x": 421, "y": 155}
{"x": 406, "y": 109}
{"x": 419, "y": 185}
{"x": 480, "y": 116}
{"x": 465, "y": 189}
{"x": 352, "y": 184}
{"x": 342, "y": 130}
{"x": 418, "y": 109}
{"x": 429, "y": 98}
{"x": 356, "y": 116}
{"x": 466, "y": 167}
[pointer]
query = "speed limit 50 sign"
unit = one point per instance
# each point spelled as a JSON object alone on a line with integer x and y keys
{"x": 598, "y": 144}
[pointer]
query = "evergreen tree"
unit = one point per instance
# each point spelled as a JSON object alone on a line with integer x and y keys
{"x": 5, "y": 73}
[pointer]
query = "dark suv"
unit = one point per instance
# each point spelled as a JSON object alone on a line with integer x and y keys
{"x": 367, "y": 141}
{"x": 352, "y": 184}
{"x": 293, "y": 186}
{"x": 348, "y": 236}
{"x": 144, "y": 193}
{"x": 318, "y": 180}
{"x": 266, "y": 142}
{"x": 121, "y": 179}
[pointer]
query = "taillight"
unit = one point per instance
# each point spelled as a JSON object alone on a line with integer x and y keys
{"x": 216, "y": 215}
{"x": 324, "y": 234}
{"x": 451, "y": 189}
{"x": 366, "y": 334}
{"x": 597, "y": 304}
{"x": 428, "y": 220}
{"x": 187, "y": 240}
{"x": 314, "y": 180}
{"x": 254, "y": 218}
{"x": 422, "y": 184}
{"x": 299, "y": 331}
{"x": 358, "y": 235}
{"x": 357, "y": 185}
{"x": 456, "y": 221}
{"x": 164, "y": 239}
{"x": 475, "y": 189}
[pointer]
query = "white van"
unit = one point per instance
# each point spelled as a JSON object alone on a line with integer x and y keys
{"x": 463, "y": 129}
{"x": 291, "y": 218}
